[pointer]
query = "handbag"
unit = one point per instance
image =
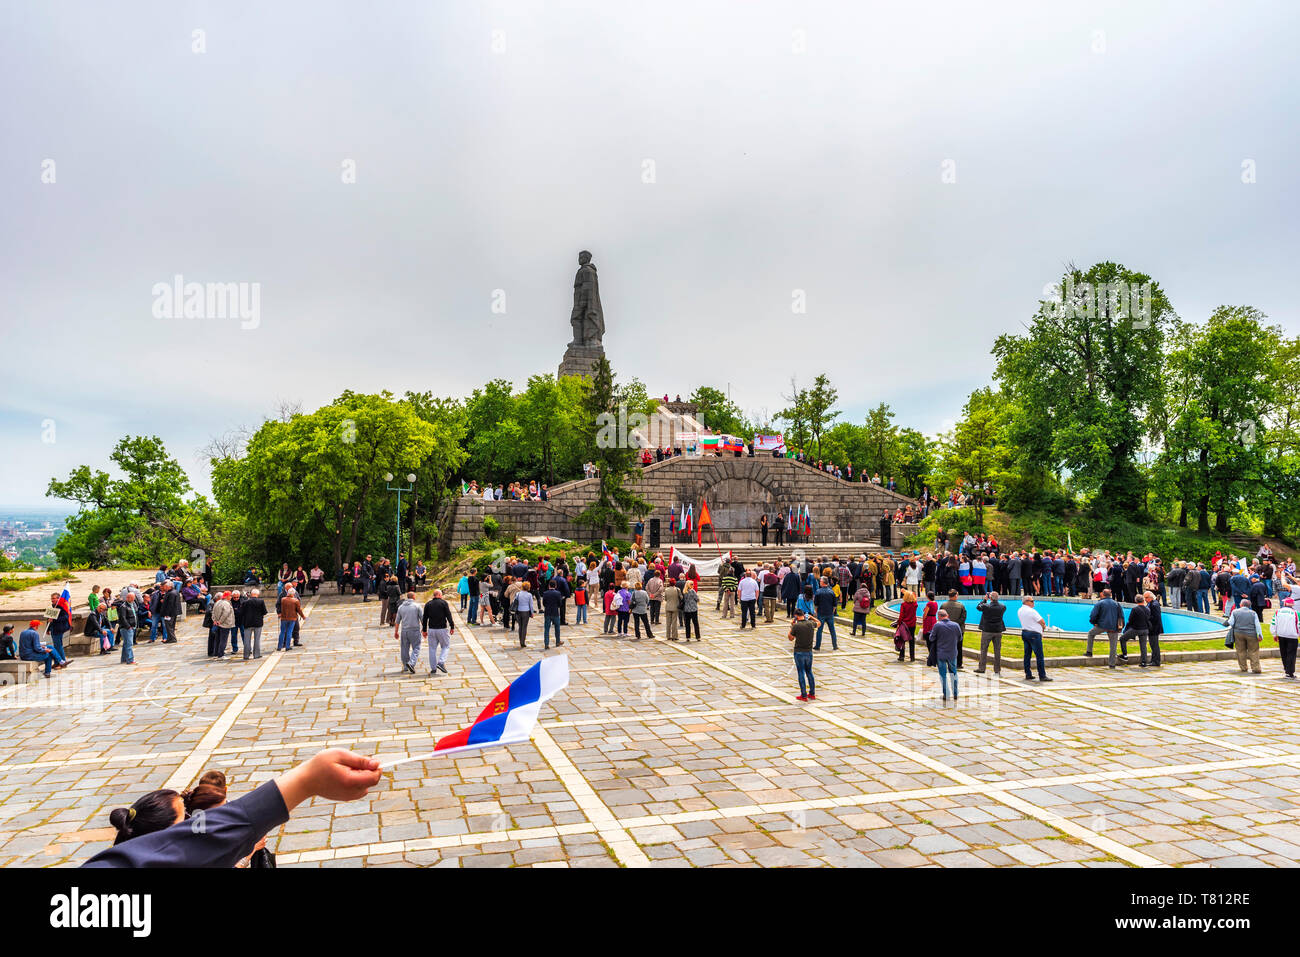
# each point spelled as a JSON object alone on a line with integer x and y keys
{"x": 900, "y": 638}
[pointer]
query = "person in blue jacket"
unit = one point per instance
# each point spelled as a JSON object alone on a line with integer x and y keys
{"x": 1106, "y": 616}
{"x": 230, "y": 831}
{"x": 31, "y": 648}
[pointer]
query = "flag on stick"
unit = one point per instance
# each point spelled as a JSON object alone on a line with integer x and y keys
{"x": 511, "y": 716}
{"x": 705, "y": 519}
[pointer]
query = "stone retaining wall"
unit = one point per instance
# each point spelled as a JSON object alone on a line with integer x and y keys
{"x": 736, "y": 489}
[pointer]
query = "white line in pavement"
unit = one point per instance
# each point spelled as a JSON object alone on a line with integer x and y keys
{"x": 1051, "y": 818}
{"x": 207, "y": 745}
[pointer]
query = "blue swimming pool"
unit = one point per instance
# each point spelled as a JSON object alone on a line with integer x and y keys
{"x": 1072, "y": 616}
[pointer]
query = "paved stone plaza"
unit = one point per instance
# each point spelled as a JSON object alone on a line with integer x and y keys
{"x": 671, "y": 754}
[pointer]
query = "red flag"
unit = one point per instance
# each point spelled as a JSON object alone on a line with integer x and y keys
{"x": 704, "y": 519}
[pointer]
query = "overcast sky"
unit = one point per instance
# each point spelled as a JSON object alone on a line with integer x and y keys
{"x": 789, "y": 146}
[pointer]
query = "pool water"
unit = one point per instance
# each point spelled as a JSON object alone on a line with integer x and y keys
{"x": 1072, "y": 616}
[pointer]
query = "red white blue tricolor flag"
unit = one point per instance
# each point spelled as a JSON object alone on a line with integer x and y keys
{"x": 511, "y": 716}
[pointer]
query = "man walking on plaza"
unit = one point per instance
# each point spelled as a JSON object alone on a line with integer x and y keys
{"x": 672, "y": 606}
{"x": 408, "y": 630}
{"x": 1246, "y": 632}
{"x": 801, "y": 633}
{"x": 946, "y": 637}
{"x": 1286, "y": 630}
{"x": 552, "y": 599}
{"x": 1155, "y": 626}
{"x": 824, "y": 603}
{"x": 252, "y": 614}
{"x": 747, "y": 589}
{"x": 1106, "y": 617}
{"x": 1031, "y": 633}
{"x": 957, "y": 615}
{"x": 767, "y": 577}
{"x": 727, "y": 580}
{"x": 438, "y": 627}
{"x": 992, "y": 625}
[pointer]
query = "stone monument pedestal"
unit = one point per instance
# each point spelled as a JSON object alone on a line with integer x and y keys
{"x": 579, "y": 359}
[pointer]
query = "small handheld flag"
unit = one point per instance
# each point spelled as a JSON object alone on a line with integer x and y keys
{"x": 510, "y": 717}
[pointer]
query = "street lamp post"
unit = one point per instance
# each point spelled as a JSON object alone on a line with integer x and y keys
{"x": 399, "y": 489}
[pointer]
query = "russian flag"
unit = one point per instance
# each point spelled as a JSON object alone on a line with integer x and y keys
{"x": 510, "y": 717}
{"x": 65, "y": 602}
{"x": 604, "y": 550}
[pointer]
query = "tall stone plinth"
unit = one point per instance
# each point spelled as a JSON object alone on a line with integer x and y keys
{"x": 578, "y": 360}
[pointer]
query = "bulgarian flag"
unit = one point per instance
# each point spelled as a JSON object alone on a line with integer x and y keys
{"x": 705, "y": 519}
{"x": 464, "y": 487}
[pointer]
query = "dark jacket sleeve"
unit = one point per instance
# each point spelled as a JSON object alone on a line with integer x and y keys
{"x": 227, "y": 835}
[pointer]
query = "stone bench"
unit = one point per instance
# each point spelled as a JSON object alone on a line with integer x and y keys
{"x": 19, "y": 672}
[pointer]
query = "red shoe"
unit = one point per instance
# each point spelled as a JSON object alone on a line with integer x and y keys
{"x": 812, "y": 697}
{"x": 802, "y": 697}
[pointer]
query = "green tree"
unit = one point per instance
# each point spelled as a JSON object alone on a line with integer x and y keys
{"x": 970, "y": 451}
{"x": 1221, "y": 391}
{"x": 145, "y": 516}
{"x": 880, "y": 438}
{"x": 610, "y": 449}
{"x": 811, "y": 412}
{"x": 1087, "y": 372}
{"x": 719, "y": 413}
{"x": 321, "y": 471}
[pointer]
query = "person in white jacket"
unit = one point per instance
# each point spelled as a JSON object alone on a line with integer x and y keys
{"x": 1286, "y": 629}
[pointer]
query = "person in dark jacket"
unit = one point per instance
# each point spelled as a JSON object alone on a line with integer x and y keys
{"x": 946, "y": 638}
{"x": 1106, "y": 616}
{"x": 231, "y": 831}
{"x": 552, "y": 599}
{"x": 169, "y": 608}
{"x": 1139, "y": 627}
{"x": 1155, "y": 627}
{"x": 1258, "y": 595}
{"x": 790, "y": 588}
{"x": 252, "y": 613}
{"x": 992, "y": 625}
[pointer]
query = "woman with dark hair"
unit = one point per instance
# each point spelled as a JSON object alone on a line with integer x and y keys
{"x": 231, "y": 831}
{"x": 156, "y": 811}
{"x": 210, "y": 792}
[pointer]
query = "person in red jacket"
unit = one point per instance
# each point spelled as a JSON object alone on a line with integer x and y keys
{"x": 905, "y": 635}
{"x": 930, "y": 616}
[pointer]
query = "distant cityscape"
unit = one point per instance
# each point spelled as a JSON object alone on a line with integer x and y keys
{"x": 28, "y": 535}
